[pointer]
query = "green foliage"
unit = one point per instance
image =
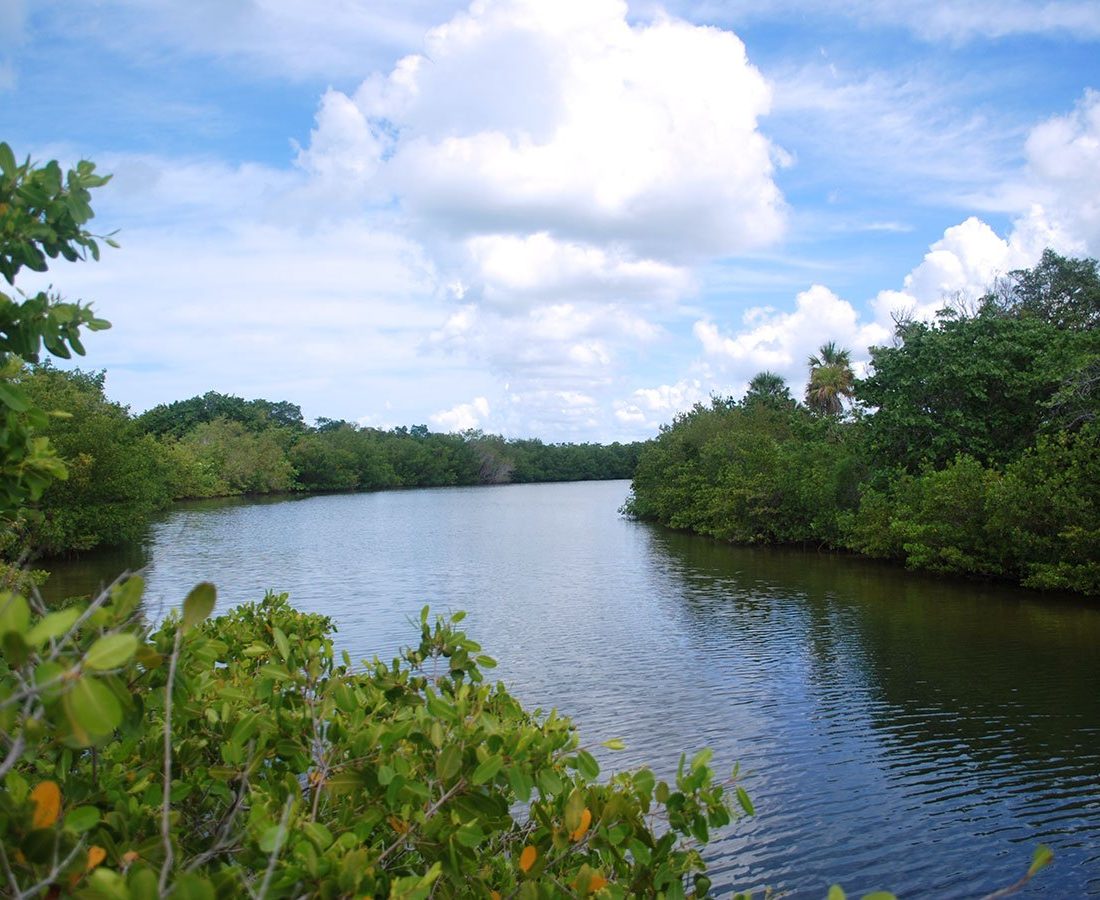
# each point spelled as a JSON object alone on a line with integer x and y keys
{"x": 976, "y": 385}
{"x": 240, "y": 756}
{"x": 183, "y": 416}
{"x": 976, "y": 449}
{"x": 942, "y": 520}
{"x": 1048, "y": 512}
{"x": 751, "y": 473}
{"x": 1063, "y": 292}
{"x": 42, "y": 216}
{"x": 116, "y": 478}
{"x": 240, "y": 461}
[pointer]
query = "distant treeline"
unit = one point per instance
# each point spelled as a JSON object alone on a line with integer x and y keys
{"x": 122, "y": 469}
{"x": 971, "y": 447}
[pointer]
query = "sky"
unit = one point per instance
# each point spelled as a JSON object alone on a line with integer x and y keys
{"x": 565, "y": 219}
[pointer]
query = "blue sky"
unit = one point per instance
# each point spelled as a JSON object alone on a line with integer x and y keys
{"x": 567, "y": 219}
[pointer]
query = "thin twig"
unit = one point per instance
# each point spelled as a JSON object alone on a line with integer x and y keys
{"x": 428, "y": 813}
{"x": 54, "y": 872}
{"x": 280, "y": 836}
{"x": 7, "y": 871}
{"x": 166, "y": 804}
{"x": 18, "y": 745}
{"x": 222, "y": 843}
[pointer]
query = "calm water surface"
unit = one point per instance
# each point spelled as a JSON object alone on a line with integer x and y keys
{"x": 894, "y": 731}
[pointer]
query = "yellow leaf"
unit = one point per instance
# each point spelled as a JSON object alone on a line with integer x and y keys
{"x": 527, "y": 858}
{"x": 586, "y": 820}
{"x": 130, "y": 857}
{"x": 46, "y": 797}
{"x": 96, "y": 855}
{"x": 596, "y": 883}
{"x": 494, "y": 895}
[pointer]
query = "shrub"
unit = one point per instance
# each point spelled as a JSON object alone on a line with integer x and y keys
{"x": 238, "y": 755}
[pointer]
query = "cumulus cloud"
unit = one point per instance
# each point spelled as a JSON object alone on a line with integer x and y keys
{"x": 524, "y": 117}
{"x": 647, "y": 408}
{"x": 464, "y": 416}
{"x": 1064, "y": 162}
{"x": 1061, "y": 211}
{"x": 565, "y": 341}
{"x": 516, "y": 271}
{"x": 781, "y": 341}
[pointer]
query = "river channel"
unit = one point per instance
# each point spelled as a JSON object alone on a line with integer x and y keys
{"x": 895, "y": 731}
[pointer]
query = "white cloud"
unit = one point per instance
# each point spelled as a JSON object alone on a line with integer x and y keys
{"x": 1064, "y": 162}
{"x": 782, "y": 341}
{"x": 464, "y": 416}
{"x": 517, "y": 271}
{"x": 523, "y": 117}
{"x": 648, "y": 408}
{"x": 902, "y": 131}
{"x": 1062, "y": 211}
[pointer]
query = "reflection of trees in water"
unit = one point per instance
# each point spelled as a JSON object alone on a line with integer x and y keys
{"x": 90, "y": 572}
{"x": 999, "y": 669}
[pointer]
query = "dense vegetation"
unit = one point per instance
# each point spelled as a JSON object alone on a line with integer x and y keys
{"x": 971, "y": 447}
{"x": 121, "y": 469}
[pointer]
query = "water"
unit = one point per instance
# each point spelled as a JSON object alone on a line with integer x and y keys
{"x": 895, "y": 731}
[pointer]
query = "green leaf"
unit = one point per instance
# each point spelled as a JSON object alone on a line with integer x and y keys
{"x": 587, "y": 765}
{"x": 487, "y": 770}
{"x": 16, "y": 651}
{"x": 521, "y": 783}
{"x": 746, "y": 803}
{"x": 879, "y": 895}
{"x": 125, "y": 597}
{"x": 7, "y": 159}
{"x": 15, "y": 614}
{"x": 836, "y": 892}
{"x": 81, "y": 819}
{"x": 111, "y": 651}
{"x": 702, "y": 757}
{"x": 92, "y": 709}
{"x": 614, "y": 744}
{"x": 198, "y": 605}
{"x": 53, "y": 625}
{"x": 1041, "y": 859}
{"x": 470, "y": 835}
{"x": 449, "y": 762}
{"x": 281, "y": 642}
{"x": 14, "y": 397}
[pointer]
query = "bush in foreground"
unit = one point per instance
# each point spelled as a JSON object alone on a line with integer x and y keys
{"x": 234, "y": 756}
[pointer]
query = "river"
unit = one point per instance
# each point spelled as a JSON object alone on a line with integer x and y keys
{"x": 895, "y": 731}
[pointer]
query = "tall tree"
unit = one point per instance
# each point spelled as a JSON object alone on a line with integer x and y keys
{"x": 831, "y": 380}
{"x": 769, "y": 389}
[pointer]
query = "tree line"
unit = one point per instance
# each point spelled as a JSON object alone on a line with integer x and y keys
{"x": 122, "y": 468}
{"x": 971, "y": 446}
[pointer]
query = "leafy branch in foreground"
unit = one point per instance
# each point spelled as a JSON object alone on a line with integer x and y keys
{"x": 42, "y": 216}
{"x": 238, "y": 756}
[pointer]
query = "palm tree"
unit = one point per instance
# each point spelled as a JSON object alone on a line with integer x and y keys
{"x": 768, "y": 388}
{"x": 831, "y": 380}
